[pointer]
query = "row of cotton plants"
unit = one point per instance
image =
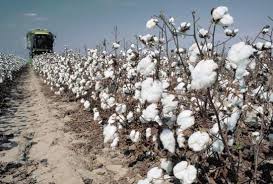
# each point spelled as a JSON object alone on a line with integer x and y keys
{"x": 9, "y": 65}
{"x": 205, "y": 110}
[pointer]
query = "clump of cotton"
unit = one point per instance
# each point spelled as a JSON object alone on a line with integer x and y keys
{"x": 185, "y": 172}
{"x": 146, "y": 66}
{"x": 166, "y": 165}
{"x": 150, "y": 113}
{"x": 203, "y": 33}
{"x": 185, "y": 119}
{"x": 134, "y": 136}
{"x": 203, "y": 74}
{"x": 168, "y": 140}
{"x": 219, "y": 12}
{"x": 239, "y": 55}
{"x": 199, "y": 141}
{"x": 151, "y": 23}
{"x": 221, "y": 16}
{"x": 151, "y": 90}
{"x": 154, "y": 174}
{"x": 109, "y": 133}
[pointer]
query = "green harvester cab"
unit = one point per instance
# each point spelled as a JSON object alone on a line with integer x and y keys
{"x": 40, "y": 41}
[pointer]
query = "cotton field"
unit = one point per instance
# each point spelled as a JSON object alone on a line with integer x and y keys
{"x": 9, "y": 65}
{"x": 206, "y": 110}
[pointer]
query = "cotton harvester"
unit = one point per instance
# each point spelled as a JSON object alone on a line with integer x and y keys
{"x": 40, "y": 41}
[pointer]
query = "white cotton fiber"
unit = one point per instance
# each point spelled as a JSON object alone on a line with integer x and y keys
{"x": 203, "y": 74}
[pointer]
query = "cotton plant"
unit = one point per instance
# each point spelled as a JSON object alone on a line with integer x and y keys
{"x": 200, "y": 100}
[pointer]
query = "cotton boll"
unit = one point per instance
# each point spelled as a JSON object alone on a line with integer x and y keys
{"x": 255, "y": 137}
{"x": 151, "y": 90}
{"x": 185, "y": 119}
{"x": 185, "y": 172}
{"x": 145, "y": 181}
{"x": 151, "y": 23}
{"x": 146, "y": 66}
{"x": 198, "y": 141}
{"x": 121, "y": 108}
{"x": 167, "y": 139}
{"x": 150, "y": 113}
{"x": 204, "y": 75}
{"x": 227, "y": 20}
{"x": 231, "y": 121}
{"x": 115, "y": 45}
{"x": 148, "y": 133}
{"x": 203, "y": 33}
{"x": 218, "y": 146}
{"x": 130, "y": 116}
{"x": 109, "y": 133}
{"x": 166, "y": 165}
{"x": 180, "y": 87}
{"x": 134, "y": 136}
{"x": 115, "y": 142}
{"x": 96, "y": 114}
{"x": 219, "y": 12}
{"x": 169, "y": 104}
{"x": 86, "y": 105}
{"x": 154, "y": 173}
{"x": 215, "y": 129}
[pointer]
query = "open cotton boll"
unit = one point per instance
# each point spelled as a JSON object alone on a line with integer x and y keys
{"x": 134, "y": 136}
{"x": 115, "y": 45}
{"x": 166, "y": 165}
{"x": 151, "y": 90}
{"x": 185, "y": 172}
{"x": 130, "y": 116}
{"x": 227, "y": 20}
{"x": 219, "y": 12}
{"x": 154, "y": 173}
{"x": 215, "y": 129}
{"x": 218, "y": 146}
{"x": 239, "y": 53}
{"x": 185, "y": 119}
{"x": 169, "y": 104}
{"x": 148, "y": 133}
{"x": 198, "y": 141}
{"x": 109, "y": 133}
{"x": 168, "y": 140}
{"x": 145, "y": 181}
{"x": 121, "y": 108}
{"x": 203, "y": 33}
{"x": 150, "y": 113}
{"x": 86, "y": 105}
{"x": 115, "y": 142}
{"x": 231, "y": 121}
{"x": 151, "y": 23}
{"x": 204, "y": 75}
{"x": 146, "y": 66}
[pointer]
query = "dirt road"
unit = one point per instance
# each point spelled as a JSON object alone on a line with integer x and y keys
{"x": 36, "y": 146}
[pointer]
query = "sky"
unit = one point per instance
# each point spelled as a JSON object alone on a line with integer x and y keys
{"x": 77, "y": 23}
